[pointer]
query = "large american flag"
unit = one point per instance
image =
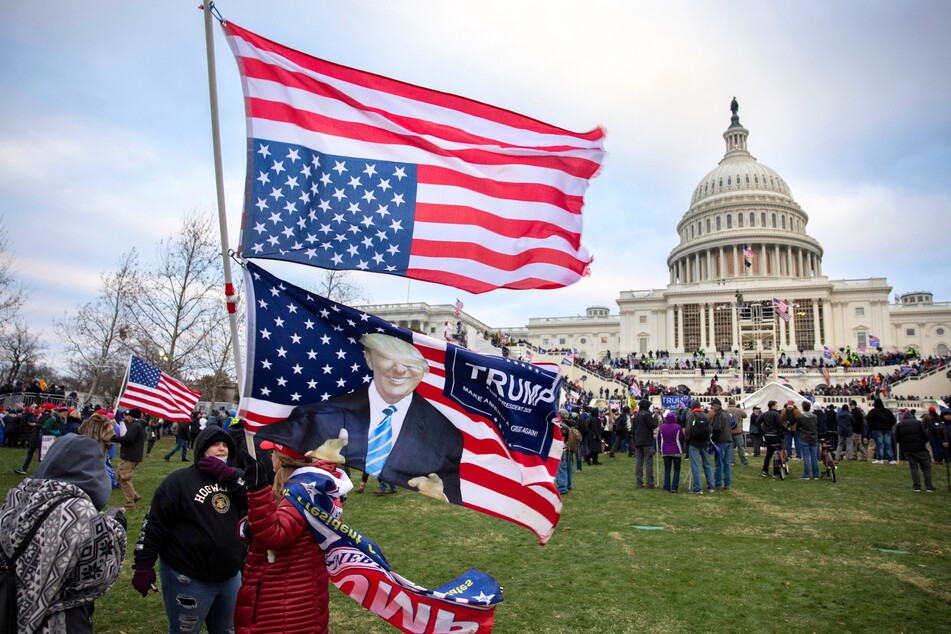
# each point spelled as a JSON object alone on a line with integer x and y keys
{"x": 351, "y": 170}
{"x": 303, "y": 348}
{"x": 156, "y": 393}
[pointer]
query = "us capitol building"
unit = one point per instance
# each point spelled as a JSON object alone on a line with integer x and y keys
{"x": 741, "y": 202}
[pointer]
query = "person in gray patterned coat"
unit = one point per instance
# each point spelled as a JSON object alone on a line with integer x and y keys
{"x": 77, "y": 552}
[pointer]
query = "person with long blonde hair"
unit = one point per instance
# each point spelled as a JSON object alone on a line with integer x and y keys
{"x": 284, "y": 584}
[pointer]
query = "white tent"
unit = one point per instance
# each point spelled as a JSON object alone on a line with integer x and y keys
{"x": 772, "y": 392}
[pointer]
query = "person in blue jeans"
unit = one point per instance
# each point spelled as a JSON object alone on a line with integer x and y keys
{"x": 181, "y": 442}
{"x": 723, "y": 437}
{"x": 809, "y": 439}
{"x": 566, "y": 465}
{"x": 880, "y": 422}
{"x": 698, "y": 437}
{"x": 670, "y": 438}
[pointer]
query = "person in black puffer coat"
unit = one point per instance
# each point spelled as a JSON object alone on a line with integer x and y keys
{"x": 912, "y": 437}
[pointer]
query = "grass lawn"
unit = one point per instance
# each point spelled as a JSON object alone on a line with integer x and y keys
{"x": 792, "y": 556}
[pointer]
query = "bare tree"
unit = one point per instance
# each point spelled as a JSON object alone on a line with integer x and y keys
{"x": 218, "y": 361}
{"x": 337, "y": 286}
{"x": 179, "y": 301}
{"x": 12, "y": 292}
{"x": 94, "y": 337}
{"x": 19, "y": 350}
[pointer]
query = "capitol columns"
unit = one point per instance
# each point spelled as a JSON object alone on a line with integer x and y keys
{"x": 703, "y": 326}
{"x": 792, "y": 325}
{"x": 815, "y": 322}
{"x": 669, "y": 335}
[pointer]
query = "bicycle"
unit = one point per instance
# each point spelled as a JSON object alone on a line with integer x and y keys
{"x": 827, "y": 458}
{"x": 780, "y": 461}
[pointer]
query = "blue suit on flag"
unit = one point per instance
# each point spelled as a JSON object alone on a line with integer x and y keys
{"x": 427, "y": 443}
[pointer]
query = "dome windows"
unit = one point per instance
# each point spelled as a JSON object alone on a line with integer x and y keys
{"x": 739, "y": 219}
{"x": 774, "y": 220}
{"x": 762, "y": 219}
{"x": 784, "y": 222}
{"x": 718, "y": 223}
{"x": 729, "y": 221}
{"x": 752, "y": 219}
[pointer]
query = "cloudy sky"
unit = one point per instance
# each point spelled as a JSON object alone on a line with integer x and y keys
{"x": 105, "y": 135}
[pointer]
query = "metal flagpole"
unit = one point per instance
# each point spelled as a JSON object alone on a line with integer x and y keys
{"x": 125, "y": 382}
{"x": 230, "y": 298}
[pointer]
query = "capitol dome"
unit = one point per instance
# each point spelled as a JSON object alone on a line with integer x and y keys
{"x": 742, "y": 222}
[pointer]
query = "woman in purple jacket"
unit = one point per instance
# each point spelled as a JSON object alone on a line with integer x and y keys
{"x": 671, "y": 440}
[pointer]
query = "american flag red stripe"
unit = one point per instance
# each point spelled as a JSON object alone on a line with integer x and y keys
{"x": 157, "y": 393}
{"x": 499, "y": 177}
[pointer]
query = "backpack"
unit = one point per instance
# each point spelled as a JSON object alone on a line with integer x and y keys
{"x": 8, "y": 573}
{"x": 574, "y": 438}
{"x": 700, "y": 428}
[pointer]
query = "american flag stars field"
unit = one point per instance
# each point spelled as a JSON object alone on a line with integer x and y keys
{"x": 328, "y": 211}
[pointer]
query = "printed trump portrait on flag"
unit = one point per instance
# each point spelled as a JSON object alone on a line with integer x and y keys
{"x": 415, "y": 411}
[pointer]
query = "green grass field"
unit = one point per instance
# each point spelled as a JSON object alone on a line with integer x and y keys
{"x": 768, "y": 556}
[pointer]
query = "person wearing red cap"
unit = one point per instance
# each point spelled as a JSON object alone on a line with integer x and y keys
{"x": 284, "y": 583}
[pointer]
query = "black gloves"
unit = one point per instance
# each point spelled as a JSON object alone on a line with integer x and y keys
{"x": 255, "y": 474}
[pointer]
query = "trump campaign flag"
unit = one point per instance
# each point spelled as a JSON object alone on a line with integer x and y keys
{"x": 351, "y": 170}
{"x": 357, "y": 567}
{"x": 156, "y": 393}
{"x": 304, "y": 354}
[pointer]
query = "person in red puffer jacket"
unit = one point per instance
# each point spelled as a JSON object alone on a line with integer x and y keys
{"x": 284, "y": 584}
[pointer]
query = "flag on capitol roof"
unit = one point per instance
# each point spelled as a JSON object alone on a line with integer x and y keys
{"x": 355, "y": 171}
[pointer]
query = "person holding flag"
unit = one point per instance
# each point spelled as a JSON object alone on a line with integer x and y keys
{"x": 284, "y": 582}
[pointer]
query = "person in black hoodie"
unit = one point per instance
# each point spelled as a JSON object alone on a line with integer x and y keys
{"x": 191, "y": 528}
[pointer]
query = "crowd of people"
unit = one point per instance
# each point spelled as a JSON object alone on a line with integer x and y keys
{"x": 714, "y": 440}
{"x": 231, "y": 553}
{"x": 614, "y": 370}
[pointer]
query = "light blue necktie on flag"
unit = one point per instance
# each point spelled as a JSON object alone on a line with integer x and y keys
{"x": 380, "y": 443}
